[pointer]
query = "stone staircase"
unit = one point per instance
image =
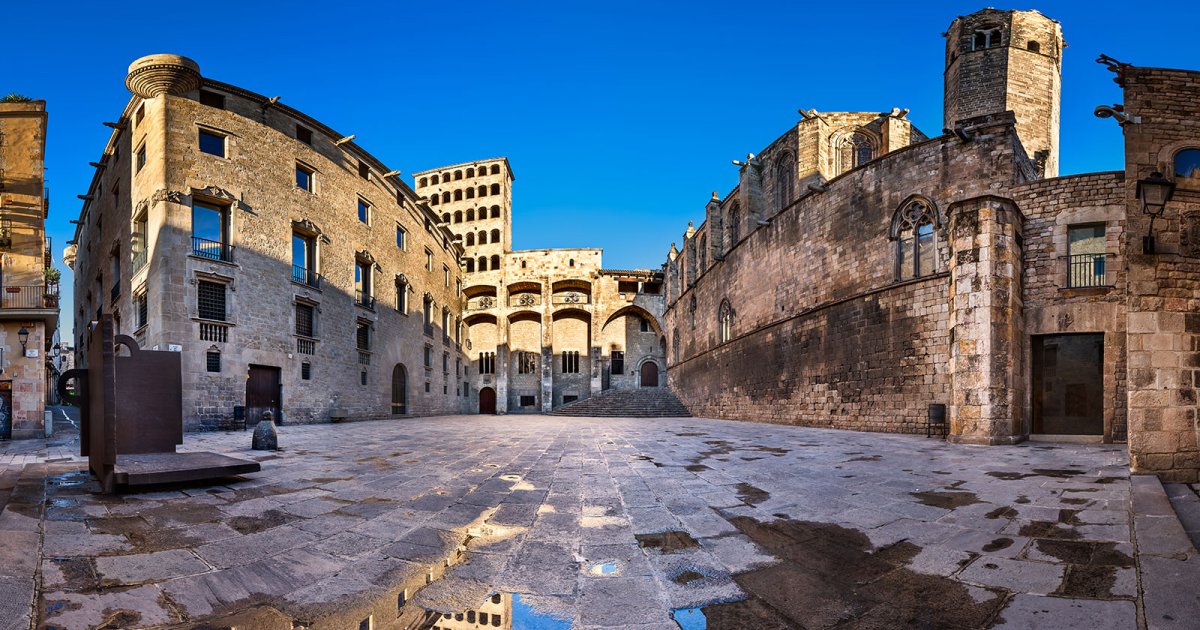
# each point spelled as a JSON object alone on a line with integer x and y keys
{"x": 644, "y": 402}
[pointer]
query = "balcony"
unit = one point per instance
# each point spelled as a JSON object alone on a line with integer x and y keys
{"x": 29, "y": 297}
{"x": 212, "y": 250}
{"x": 1086, "y": 270}
{"x": 307, "y": 277}
{"x": 365, "y": 300}
{"x": 306, "y": 346}
{"x": 214, "y": 332}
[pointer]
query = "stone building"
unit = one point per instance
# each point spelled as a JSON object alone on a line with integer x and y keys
{"x": 294, "y": 271}
{"x": 28, "y": 292}
{"x": 544, "y": 327}
{"x": 861, "y": 272}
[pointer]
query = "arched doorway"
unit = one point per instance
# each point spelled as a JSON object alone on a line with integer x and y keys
{"x": 399, "y": 390}
{"x": 649, "y": 374}
{"x": 487, "y": 401}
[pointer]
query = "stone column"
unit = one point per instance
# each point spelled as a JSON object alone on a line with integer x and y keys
{"x": 547, "y": 365}
{"x": 987, "y": 385}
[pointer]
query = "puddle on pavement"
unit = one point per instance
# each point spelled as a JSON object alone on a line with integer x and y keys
{"x": 998, "y": 544}
{"x": 946, "y": 500}
{"x": 1056, "y": 473}
{"x": 604, "y": 569}
{"x": 751, "y": 495}
{"x": 872, "y": 458}
{"x": 1091, "y": 566}
{"x": 830, "y": 575}
{"x": 499, "y": 610}
{"x": 667, "y": 542}
{"x": 687, "y": 576}
{"x": 262, "y": 522}
{"x": 1002, "y": 512}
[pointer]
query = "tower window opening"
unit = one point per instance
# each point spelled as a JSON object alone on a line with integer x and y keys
{"x": 986, "y": 38}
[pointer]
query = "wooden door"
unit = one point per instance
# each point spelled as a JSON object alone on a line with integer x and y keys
{"x": 399, "y": 390}
{"x": 1068, "y": 384}
{"x": 262, "y": 393}
{"x": 649, "y": 374}
{"x": 487, "y": 401}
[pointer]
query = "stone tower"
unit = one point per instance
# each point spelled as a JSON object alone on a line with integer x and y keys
{"x": 999, "y": 61}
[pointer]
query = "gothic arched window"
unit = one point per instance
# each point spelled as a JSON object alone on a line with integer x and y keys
{"x": 784, "y": 180}
{"x": 914, "y": 228}
{"x": 725, "y": 319}
{"x": 855, "y": 150}
{"x": 735, "y": 218}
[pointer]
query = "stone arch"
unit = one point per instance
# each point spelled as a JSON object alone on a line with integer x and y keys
{"x": 632, "y": 309}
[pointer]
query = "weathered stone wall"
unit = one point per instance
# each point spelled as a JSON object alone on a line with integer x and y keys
{"x": 1051, "y": 306}
{"x": 1163, "y": 321}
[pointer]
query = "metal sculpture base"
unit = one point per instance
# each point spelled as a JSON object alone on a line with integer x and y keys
{"x": 150, "y": 468}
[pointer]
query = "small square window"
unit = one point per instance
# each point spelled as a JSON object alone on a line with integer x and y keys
{"x": 364, "y": 212}
{"x": 212, "y": 99}
{"x": 304, "y": 177}
{"x": 212, "y": 144}
{"x": 304, "y": 134}
{"x": 306, "y": 371}
{"x": 527, "y": 401}
{"x": 364, "y": 171}
{"x": 426, "y": 387}
{"x": 213, "y": 361}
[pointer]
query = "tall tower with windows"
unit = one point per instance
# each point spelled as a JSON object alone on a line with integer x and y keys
{"x": 998, "y": 61}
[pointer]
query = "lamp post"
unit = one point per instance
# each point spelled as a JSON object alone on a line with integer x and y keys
{"x": 23, "y": 337}
{"x": 1154, "y": 192}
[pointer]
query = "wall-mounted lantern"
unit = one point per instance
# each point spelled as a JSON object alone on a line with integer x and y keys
{"x": 1154, "y": 192}
{"x": 23, "y": 336}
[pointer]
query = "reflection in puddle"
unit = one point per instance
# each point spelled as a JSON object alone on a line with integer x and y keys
{"x": 690, "y": 618}
{"x": 500, "y": 610}
{"x": 602, "y": 569}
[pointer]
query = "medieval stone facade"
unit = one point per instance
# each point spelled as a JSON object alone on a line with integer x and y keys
{"x": 859, "y": 292}
{"x": 544, "y": 327}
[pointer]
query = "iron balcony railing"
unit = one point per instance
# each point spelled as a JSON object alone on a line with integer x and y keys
{"x": 364, "y": 299}
{"x": 306, "y": 276}
{"x": 38, "y": 296}
{"x": 212, "y": 250}
{"x": 1086, "y": 270}
{"x": 139, "y": 259}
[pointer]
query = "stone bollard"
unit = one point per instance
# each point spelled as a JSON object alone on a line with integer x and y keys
{"x": 265, "y": 436}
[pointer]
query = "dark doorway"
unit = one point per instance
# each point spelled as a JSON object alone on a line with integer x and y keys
{"x": 649, "y": 374}
{"x": 487, "y": 401}
{"x": 6, "y": 416}
{"x": 262, "y": 393}
{"x": 399, "y": 390}
{"x": 1068, "y": 384}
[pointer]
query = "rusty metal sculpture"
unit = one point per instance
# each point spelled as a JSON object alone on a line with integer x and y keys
{"x": 131, "y": 415}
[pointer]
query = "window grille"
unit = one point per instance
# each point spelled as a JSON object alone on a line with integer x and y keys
{"x": 213, "y": 361}
{"x": 210, "y": 297}
{"x": 305, "y": 320}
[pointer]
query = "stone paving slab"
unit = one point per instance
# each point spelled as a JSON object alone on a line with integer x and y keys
{"x": 348, "y": 519}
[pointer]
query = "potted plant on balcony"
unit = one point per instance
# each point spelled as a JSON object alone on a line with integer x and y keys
{"x": 53, "y": 276}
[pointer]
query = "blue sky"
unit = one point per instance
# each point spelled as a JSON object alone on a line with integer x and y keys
{"x": 619, "y": 118}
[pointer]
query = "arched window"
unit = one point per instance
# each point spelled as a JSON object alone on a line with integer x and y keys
{"x": 856, "y": 149}
{"x": 495, "y": 189}
{"x": 470, "y": 264}
{"x": 471, "y": 214}
{"x": 725, "y": 321}
{"x": 457, "y": 175}
{"x": 458, "y": 216}
{"x": 446, "y": 177}
{"x": 445, "y": 217}
{"x": 483, "y": 238}
{"x": 495, "y": 261}
{"x": 483, "y": 191}
{"x": 495, "y": 169}
{"x": 458, "y": 195}
{"x": 495, "y": 212}
{"x": 470, "y": 193}
{"x": 703, "y": 253}
{"x": 1034, "y": 47}
{"x": 425, "y": 181}
{"x": 986, "y": 37}
{"x": 735, "y": 219}
{"x": 470, "y": 238}
{"x": 495, "y": 236}
{"x": 785, "y": 180}
{"x": 914, "y": 228}
{"x": 446, "y": 197}
{"x": 471, "y": 172}
{"x": 433, "y": 179}
{"x": 433, "y": 201}
{"x": 483, "y": 263}
{"x": 399, "y": 390}
{"x": 692, "y": 310}
{"x": 1187, "y": 164}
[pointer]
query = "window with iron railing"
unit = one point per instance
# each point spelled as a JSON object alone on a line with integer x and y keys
{"x": 363, "y": 337}
{"x": 210, "y": 298}
{"x": 1087, "y": 264}
{"x": 138, "y": 248}
{"x": 210, "y": 232}
{"x": 305, "y": 320}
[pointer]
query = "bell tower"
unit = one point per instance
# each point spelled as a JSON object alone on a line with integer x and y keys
{"x": 998, "y": 61}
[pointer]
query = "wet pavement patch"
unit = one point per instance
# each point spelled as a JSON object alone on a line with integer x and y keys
{"x": 696, "y": 467}
{"x": 998, "y": 544}
{"x": 262, "y": 522}
{"x": 1091, "y": 566}
{"x": 1002, "y": 512}
{"x": 946, "y": 500}
{"x": 1056, "y": 473}
{"x": 667, "y": 542}
{"x": 831, "y": 576}
{"x": 1047, "y": 529}
{"x": 752, "y": 495}
{"x": 872, "y": 458}
{"x": 687, "y": 576}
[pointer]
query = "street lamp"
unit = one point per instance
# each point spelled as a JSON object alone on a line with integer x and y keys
{"x": 23, "y": 336}
{"x": 1154, "y": 192}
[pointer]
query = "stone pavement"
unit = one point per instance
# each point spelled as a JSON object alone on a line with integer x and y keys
{"x": 596, "y": 523}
